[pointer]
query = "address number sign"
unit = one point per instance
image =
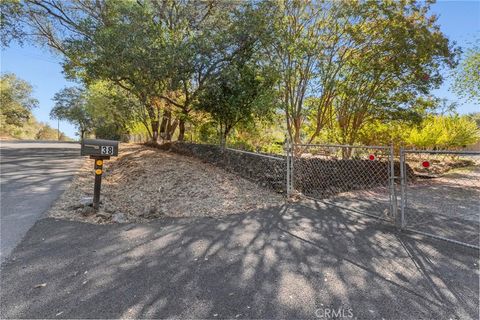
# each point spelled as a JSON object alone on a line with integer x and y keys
{"x": 107, "y": 150}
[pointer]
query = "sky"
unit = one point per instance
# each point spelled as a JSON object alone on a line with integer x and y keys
{"x": 459, "y": 21}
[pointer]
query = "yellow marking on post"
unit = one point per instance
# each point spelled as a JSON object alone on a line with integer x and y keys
{"x": 99, "y": 162}
{"x": 98, "y": 171}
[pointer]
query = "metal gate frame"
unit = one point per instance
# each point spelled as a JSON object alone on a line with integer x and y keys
{"x": 404, "y": 186}
{"x": 393, "y": 205}
{"x": 397, "y": 214}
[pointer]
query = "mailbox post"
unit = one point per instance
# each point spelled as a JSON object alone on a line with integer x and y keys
{"x": 98, "y": 150}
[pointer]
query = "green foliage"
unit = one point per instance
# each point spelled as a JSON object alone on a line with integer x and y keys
{"x": 392, "y": 65}
{"x": 16, "y": 119}
{"x": 261, "y": 136}
{"x": 48, "y": 133}
{"x": 154, "y": 51}
{"x": 444, "y": 132}
{"x": 238, "y": 94}
{"x": 467, "y": 76}
{"x": 293, "y": 41}
{"x": 475, "y": 116}
{"x": 10, "y": 26}
{"x": 102, "y": 109}
{"x": 71, "y": 105}
{"x": 384, "y": 133}
{"x": 362, "y": 61}
{"x": 33, "y": 130}
{"x": 343, "y": 72}
{"x": 113, "y": 110}
{"x": 208, "y": 133}
{"x": 16, "y": 100}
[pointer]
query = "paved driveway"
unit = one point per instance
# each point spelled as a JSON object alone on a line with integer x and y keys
{"x": 294, "y": 262}
{"x": 448, "y": 206}
{"x": 33, "y": 175}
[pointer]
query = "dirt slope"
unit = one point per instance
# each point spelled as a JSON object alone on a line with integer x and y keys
{"x": 145, "y": 183}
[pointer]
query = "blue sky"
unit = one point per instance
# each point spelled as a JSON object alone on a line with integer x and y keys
{"x": 459, "y": 20}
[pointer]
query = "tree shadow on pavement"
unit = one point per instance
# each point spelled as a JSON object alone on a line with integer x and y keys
{"x": 286, "y": 262}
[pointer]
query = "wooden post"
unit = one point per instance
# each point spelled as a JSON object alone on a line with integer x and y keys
{"x": 98, "y": 167}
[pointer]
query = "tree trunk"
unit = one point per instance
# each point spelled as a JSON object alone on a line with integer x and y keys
{"x": 171, "y": 126}
{"x": 181, "y": 128}
{"x": 346, "y": 153}
{"x": 163, "y": 125}
{"x": 155, "y": 131}
{"x": 223, "y": 140}
{"x": 297, "y": 125}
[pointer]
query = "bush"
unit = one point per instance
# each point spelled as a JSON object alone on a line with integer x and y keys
{"x": 444, "y": 132}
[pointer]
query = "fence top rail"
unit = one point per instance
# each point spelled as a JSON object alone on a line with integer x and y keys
{"x": 341, "y": 146}
{"x": 466, "y": 152}
{"x": 256, "y": 154}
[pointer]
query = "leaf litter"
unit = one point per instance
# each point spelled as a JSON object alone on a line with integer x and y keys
{"x": 147, "y": 183}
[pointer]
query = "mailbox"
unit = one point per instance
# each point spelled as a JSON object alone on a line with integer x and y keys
{"x": 99, "y": 148}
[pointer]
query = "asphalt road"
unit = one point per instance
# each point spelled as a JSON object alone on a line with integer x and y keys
{"x": 32, "y": 175}
{"x": 285, "y": 263}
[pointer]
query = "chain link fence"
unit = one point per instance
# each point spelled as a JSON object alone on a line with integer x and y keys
{"x": 266, "y": 170}
{"x": 438, "y": 191}
{"x": 443, "y": 198}
{"x": 358, "y": 178}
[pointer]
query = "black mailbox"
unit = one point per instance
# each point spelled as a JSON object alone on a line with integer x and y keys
{"x": 99, "y": 148}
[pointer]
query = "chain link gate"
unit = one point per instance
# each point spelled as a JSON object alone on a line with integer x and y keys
{"x": 357, "y": 178}
{"x": 440, "y": 194}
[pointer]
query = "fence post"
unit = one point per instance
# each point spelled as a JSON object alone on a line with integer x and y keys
{"x": 402, "y": 187}
{"x": 288, "y": 158}
{"x": 292, "y": 167}
{"x": 393, "y": 195}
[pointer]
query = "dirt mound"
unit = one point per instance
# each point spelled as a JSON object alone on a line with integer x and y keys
{"x": 145, "y": 183}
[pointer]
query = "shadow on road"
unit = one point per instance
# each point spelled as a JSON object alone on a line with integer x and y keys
{"x": 287, "y": 262}
{"x": 33, "y": 175}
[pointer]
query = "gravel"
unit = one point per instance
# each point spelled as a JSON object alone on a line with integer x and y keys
{"x": 146, "y": 183}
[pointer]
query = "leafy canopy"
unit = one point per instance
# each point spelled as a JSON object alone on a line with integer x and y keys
{"x": 16, "y": 100}
{"x": 70, "y": 105}
{"x": 467, "y": 75}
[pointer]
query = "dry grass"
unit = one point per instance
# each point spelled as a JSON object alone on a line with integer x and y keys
{"x": 145, "y": 183}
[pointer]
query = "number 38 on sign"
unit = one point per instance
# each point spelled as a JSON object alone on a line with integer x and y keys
{"x": 107, "y": 150}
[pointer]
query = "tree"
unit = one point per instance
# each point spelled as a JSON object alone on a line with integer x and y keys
{"x": 207, "y": 36}
{"x": 339, "y": 66}
{"x": 158, "y": 51}
{"x": 360, "y": 60}
{"x": 467, "y": 77}
{"x": 128, "y": 51}
{"x": 391, "y": 77}
{"x": 382, "y": 133}
{"x": 238, "y": 94}
{"x": 71, "y": 105}
{"x": 48, "y": 133}
{"x": 16, "y": 104}
{"x": 117, "y": 41}
{"x": 113, "y": 111}
{"x": 17, "y": 101}
{"x": 294, "y": 42}
{"x": 16, "y": 118}
{"x": 10, "y": 27}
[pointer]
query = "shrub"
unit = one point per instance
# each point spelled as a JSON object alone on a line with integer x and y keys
{"x": 444, "y": 132}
